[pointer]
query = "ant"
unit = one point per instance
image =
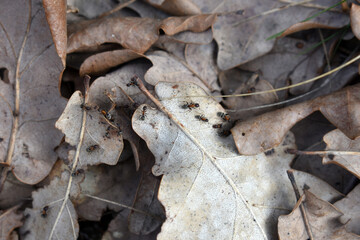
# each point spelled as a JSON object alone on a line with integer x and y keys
{"x": 106, "y": 115}
{"x": 44, "y": 211}
{"x": 201, "y": 118}
{"x": 132, "y": 82}
{"x": 217, "y": 125}
{"x": 77, "y": 172}
{"x": 224, "y": 116}
{"x": 143, "y": 113}
{"x": 84, "y": 106}
{"x": 92, "y": 148}
{"x": 224, "y": 133}
{"x": 190, "y": 105}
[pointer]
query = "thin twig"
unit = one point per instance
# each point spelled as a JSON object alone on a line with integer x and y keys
{"x": 323, "y": 153}
{"x": 76, "y": 158}
{"x": 302, "y": 208}
{"x": 277, "y": 89}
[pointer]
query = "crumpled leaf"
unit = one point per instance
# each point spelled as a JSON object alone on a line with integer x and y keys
{"x": 355, "y": 19}
{"x": 137, "y": 34}
{"x": 46, "y": 205}
{"x": 208, "y": 190}
{"x": 323, "y": 220}
{"x": 350, "y": 206}
{"x": 30, "y": 101}
{"x": 9, "y": 220}
{"x": 266, "y": 131}
{"x": 56, "y": 17}
{"x": 176, "y": 7}
{"x": 338, "y": 141}
{"x": 243, "y": 37}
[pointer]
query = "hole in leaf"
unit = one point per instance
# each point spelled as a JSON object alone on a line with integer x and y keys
{"x": 4, "y": 75}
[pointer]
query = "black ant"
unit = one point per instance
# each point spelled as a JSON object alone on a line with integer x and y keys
{"x": 224, "y": 116}
{"x": 201, "y": 118}
{"x": 217, "y": 125}
{"x": 44, "y": 211}
{"x": 190, "y": 105}
{"x": 132, "y": 82}
{"x": 143, "y": 113}
{"x": 77, "y": 172}
{"x": 84, "y": 106}
{"x": 92, "y": 148}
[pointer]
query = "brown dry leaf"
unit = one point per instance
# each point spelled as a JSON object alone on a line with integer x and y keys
{"x": 289, "y": 60}
{"x": 355, "y": 19}
{"x": 208, "y": 190}
{"x": 101, "y": 62}
{"x": 30, "y": 99}
{"x": 350, "y": 206}
{"x": 197, "y": 23}
{"x": 40, "y": 222}
{"x": 9, "y": 220}
{"x": 56, "y": 17}
{"x": 266, "y": 131}
{"x": 137, "y": 34}
{"x": 338, "y": 141}
{"x": 323, "y": 219}
{"x": 243, "y": 37}
{"x": 168, "y": 67}
{"x": 176, "y": 7}
{"x": 252, "y": 84}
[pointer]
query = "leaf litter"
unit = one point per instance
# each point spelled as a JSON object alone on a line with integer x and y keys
{"x": 107, "y": 176}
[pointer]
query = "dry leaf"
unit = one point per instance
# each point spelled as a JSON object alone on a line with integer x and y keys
{"x": 242, "y": 33}
{"x": 9, "y": 220}
{"x": 46, "y": 217}
{"x": 101, "y": 62}
{"x": 350, "y": 206}
{"x": 338, "y": 141}
{"x": 176, "y": 7}
{"x": 201, "y": 58}
{"x": 291, "y": 60}
{"x": 102, "y": 141}
{"x": 167, "y": 67}
{"x": 56, "y": 17}
{"x": 136, "y": 34}
{"x": 14, "y": 192}
{"x": 323, "y": 220}
{"x": 31, "y": 101}
{"x": 268, "y": 130}
{"x": 208, "y": 190}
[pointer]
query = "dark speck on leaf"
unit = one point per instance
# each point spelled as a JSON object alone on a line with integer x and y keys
{"x": 331, "y": 156}
{"x": 270, "y": 152}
